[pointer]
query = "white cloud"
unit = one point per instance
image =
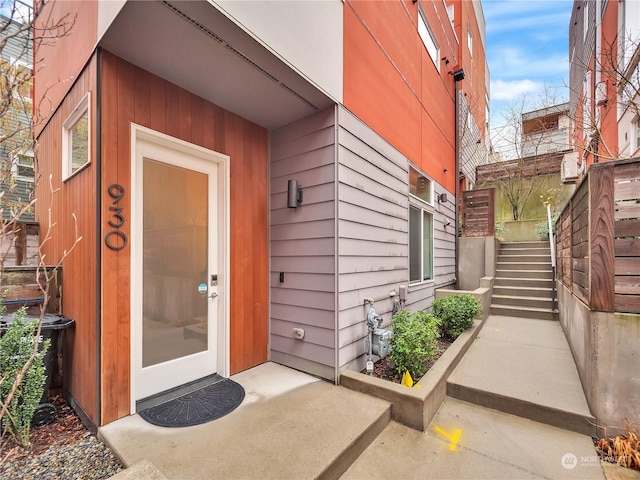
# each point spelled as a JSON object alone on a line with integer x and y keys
{"x": 512, "y": 90}
{"x": 514, "y": 62}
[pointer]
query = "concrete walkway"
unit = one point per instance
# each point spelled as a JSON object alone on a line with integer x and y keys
{"x": 519, "y": 368}
{"x": 293, "y": 426}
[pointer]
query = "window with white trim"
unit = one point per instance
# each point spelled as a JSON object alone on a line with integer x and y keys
{"x": 22, "y": 166}
{"x": 420, "y": 245}
{"x": 429, "y": 39}
{"x": 470, "y": 41}
{"x": 420, "y": 186}
{"x": 76, "y": 139}
{"x": 635, "y": 134}
{"x": 420, "y": 227}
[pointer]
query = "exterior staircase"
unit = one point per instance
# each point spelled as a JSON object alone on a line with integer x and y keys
{"x": 524, "y": 284}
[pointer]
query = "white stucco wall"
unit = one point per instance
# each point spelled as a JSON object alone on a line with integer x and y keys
{"x": 306, "y": 35}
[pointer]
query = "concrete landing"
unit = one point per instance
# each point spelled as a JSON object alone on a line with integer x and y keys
{"x": 290, "y": 426}
{"x": 524, "y": 367}
{"x": 488, "y": 445}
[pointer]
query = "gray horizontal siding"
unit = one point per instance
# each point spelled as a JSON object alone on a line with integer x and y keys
{"x": 372, "y": 229}
{"x": 373, "y": 235}
{"x": 302, "y": 243}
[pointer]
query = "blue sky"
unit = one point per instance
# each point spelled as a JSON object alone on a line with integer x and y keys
{"x": 527, "y": 48}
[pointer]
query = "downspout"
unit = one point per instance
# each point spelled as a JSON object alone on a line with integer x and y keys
{"x": 458, "y": 76}
{"x": 99, "y": 238}
{"x": 336, "y": 300}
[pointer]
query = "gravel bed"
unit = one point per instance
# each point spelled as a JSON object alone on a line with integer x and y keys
{"x": 87, "y": 458}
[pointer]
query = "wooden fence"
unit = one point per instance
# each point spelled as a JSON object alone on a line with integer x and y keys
{"x": 598, "y": 238}
{"x": 20, "y": 244}
{"x": 478, "y": 213}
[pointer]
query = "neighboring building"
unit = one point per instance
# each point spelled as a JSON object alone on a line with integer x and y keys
{"x": 546, "y": 130}
{"x": 16, "y": 147}
{"x": 467, "y": 18}
{"x": 604, "y": 106}
{"x": 187, "y": 134}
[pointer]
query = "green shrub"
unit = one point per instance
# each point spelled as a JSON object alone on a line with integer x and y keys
{"x": 456, "y": 313}
{"x": 414, "y": 341}
{"x": 542, "y": 228}
{"x": 16, "y": 348}
{"x": 499, "y": 229}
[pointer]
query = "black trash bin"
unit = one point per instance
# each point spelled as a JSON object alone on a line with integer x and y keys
{"x": 52, "y": 326}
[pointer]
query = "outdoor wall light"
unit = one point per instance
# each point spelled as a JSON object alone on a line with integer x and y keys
{"x": 442, "y": 198}
{"x": 294, "y": 194}
{"x": 458, "y": 75}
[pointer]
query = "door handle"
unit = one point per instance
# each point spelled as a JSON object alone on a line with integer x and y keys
{"x": 213, "y": 295}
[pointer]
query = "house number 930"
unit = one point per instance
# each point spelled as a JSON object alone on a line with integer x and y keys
{"x": 116, "y": 239}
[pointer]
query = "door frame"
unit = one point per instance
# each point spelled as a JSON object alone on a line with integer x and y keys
{"x": 138, "y": 133}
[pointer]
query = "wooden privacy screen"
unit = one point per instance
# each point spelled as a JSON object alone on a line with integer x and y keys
{"x": 598, "y": 238}
{"x": 478, "y": 217}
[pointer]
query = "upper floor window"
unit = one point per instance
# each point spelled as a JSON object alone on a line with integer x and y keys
{"x": 429, "y": 39}
{"x": 24, "y": 166}
{"x": 585, "y": 24}
{"x": 76, "y": 140}
{"x": 470, "y": 41}
{"x": 420, "y": 186}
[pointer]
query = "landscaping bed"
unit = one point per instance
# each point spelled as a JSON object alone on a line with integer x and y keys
{"x": 63, "y": 449}
{"x": 416, "y": 406}
{"x": 385, "y": 369}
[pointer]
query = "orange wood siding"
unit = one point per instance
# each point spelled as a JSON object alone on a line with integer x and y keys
{"x": 76, "y": 197}
{"x": 608, "y": 147}
{"x": 68, "y": 54}
{"x": 131, "y": 94}
{"x": 391, "y": 83}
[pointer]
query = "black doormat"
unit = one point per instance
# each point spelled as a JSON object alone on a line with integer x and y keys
{"x": 202, "y": 406}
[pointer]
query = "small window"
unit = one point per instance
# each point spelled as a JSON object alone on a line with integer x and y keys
{"x": 429, "y": 39}
{"x": 23, "y": 166}
{"x": 76, "y": 139}
{"x": 470, "y": 41}
{"x": 585, "y": 24}
{"x": 420, "y": 186}
{"x": 636, "y": 134}
{"x": 451, "y": 13}
{"x": 420, "y": 245}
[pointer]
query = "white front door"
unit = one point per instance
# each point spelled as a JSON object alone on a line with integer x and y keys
{"x": 178, "y": 296}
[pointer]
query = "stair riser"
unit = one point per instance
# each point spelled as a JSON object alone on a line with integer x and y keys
{"x": 525, "y": 245}
{"x": 516, "y": 265}
{"x": 523, "y": 282}
{"x": 524, "y": 259}
{"x": 534, "y": 302}
{"x": 513, "y": 312}
{"x": 573, "y": 422}
{"x": 520, "y": 273}
{"x": 526, "y": 251}
{"x": 529, "y": 292}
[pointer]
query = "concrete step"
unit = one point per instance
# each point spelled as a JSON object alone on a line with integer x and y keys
{"x": 289, "y": 426}
{"x": 522, "y": 301}
{"x": 508, "y": 245}
{"x": 524, "y": 367}
{"x": 488, "y": 444}
{"x": 524, "y": 312}
{"x": 525, "y": 251}
{"x": 521, "y": 265}
{"x": 519, "y": 282}
{"x": 529, "y": 291}
{"x": 525, "y": 273}
{"x": 524, "y": 258}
